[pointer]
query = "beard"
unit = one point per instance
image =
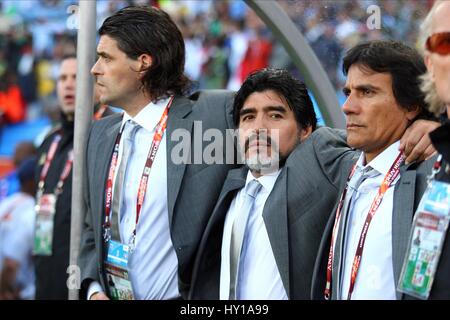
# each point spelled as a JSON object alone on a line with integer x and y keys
{"x": 266, "y": 158}
{"x": 261, "y": 162}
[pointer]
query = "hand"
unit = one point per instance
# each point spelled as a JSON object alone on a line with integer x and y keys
{"x": 99, "y": 296}
{"x": 416, "y": 143}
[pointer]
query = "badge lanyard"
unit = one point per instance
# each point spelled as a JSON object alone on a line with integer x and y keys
{"x": 98, "y": 115}
{"x": 157, "y": 138}
{"x": 390, "y": 177}
{"x": 436, "y": 168}
{"x": 427, "y": 237}
{"x": 65, "y": 173}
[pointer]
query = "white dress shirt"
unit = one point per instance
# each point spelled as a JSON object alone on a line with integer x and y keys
{"x": 375, "y": 279}
{"x": 259, "y": 278}
{"x": 153, "y": 265}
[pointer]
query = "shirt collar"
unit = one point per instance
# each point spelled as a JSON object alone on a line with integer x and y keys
{"x": 382, "y": 162}
{"x": 267, "y": 181}
{"x": 149, "y": 116}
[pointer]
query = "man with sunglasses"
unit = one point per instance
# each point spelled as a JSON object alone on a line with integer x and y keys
{"x": 435, "y": 35}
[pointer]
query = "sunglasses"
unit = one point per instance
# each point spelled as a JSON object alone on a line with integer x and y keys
{"x": 439, "y": 43}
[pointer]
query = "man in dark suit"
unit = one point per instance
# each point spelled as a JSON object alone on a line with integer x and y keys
{"x": 140, "y": 69}
{"x": 56, "y": 182}
{"x": 363, "y": 246}
{"x": 291, "y": 208}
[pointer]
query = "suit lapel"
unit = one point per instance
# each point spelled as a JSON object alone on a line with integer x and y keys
{"x": 105, "y": 147}
{"x": 403, "y": 211}
{"x": 233, "y": 183}
{"x": 276, "y": 222}
{"x": 211, "y": 243}
{"x": 180, "y": 108}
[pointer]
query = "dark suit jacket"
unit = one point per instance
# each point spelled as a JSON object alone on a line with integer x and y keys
{"x": 441, "y": 285}
{"x": 192, "y": 189}
{"x": 51, "y": 271}
{"x": 295, "y": 214}
{"x": 407, "y": 194}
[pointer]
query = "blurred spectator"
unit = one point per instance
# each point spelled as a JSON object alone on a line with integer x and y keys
{"x": 54, "y": 194}
{"x": 16, "y": 237}
{"x": 328, "y": 50}
{"x": 10, "y": 183}
{"x": 12, "y": 105}
{"x": 214, "y": 72}
{"x": 35, "y": 34}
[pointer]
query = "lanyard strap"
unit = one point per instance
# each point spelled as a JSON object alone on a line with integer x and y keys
{"x": 65, "y": 173}
{"x": 327, "y": 292}
{"x": 48, "y": 160}
{"x": 388, "y": 180}
{"x": 436, "y": 168}
{"x": 157, "y": 138}
{"x": 98, "y": 115}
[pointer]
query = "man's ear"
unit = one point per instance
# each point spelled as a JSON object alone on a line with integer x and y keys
{"x": 429, "y": 64}
{"x": 145, "y": 62}
{"x": 412, "y": 114}
{"x": 305, "y": 133}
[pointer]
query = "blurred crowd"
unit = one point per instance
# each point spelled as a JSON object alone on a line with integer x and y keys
{"x": 225, "y": 41}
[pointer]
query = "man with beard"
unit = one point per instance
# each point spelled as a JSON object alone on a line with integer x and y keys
{"x": 263, "y": 235}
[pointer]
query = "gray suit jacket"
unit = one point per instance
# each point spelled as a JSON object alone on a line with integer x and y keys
{"x": 192, "y": 189}
{"x": 295, "y": 214}
{"x": 407, "y": 194}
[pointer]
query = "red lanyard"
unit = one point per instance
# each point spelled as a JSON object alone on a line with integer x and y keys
{"x": 390, "y": 177}
{"x": 48, "y": 160}
{"x": 65, "y": 173}
{"x": 157, "y": 138}
{"x": 100, "y": 112}
{"x": 436, "y": 168}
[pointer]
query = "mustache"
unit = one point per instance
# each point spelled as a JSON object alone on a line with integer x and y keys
{"x": 257, "y": 137}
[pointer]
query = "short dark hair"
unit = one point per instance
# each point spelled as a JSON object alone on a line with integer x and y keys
{"x": 403, "y": 63}
{"x": 69, "y": 56}
{"x": 148, "y": 30}
{"x": 282, "y": 82}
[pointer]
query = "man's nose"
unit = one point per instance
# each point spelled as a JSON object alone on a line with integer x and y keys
{"x": 95, "y": 69}
{"x": 349, "y": 105}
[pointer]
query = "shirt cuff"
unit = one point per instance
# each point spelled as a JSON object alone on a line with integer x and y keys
{"x": 94, "y": 287}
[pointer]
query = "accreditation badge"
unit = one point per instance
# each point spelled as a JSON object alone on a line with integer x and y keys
{"x": 426, "y": 240}
{"x": 116, "y": 267}
{"x": 45, "y": 214}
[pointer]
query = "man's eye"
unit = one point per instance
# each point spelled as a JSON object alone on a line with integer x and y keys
{"x": 276, "y": 116}
{"x": 247, "y": 117}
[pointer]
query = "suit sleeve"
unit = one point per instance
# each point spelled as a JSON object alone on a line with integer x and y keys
{"x": 335, "y": 157}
